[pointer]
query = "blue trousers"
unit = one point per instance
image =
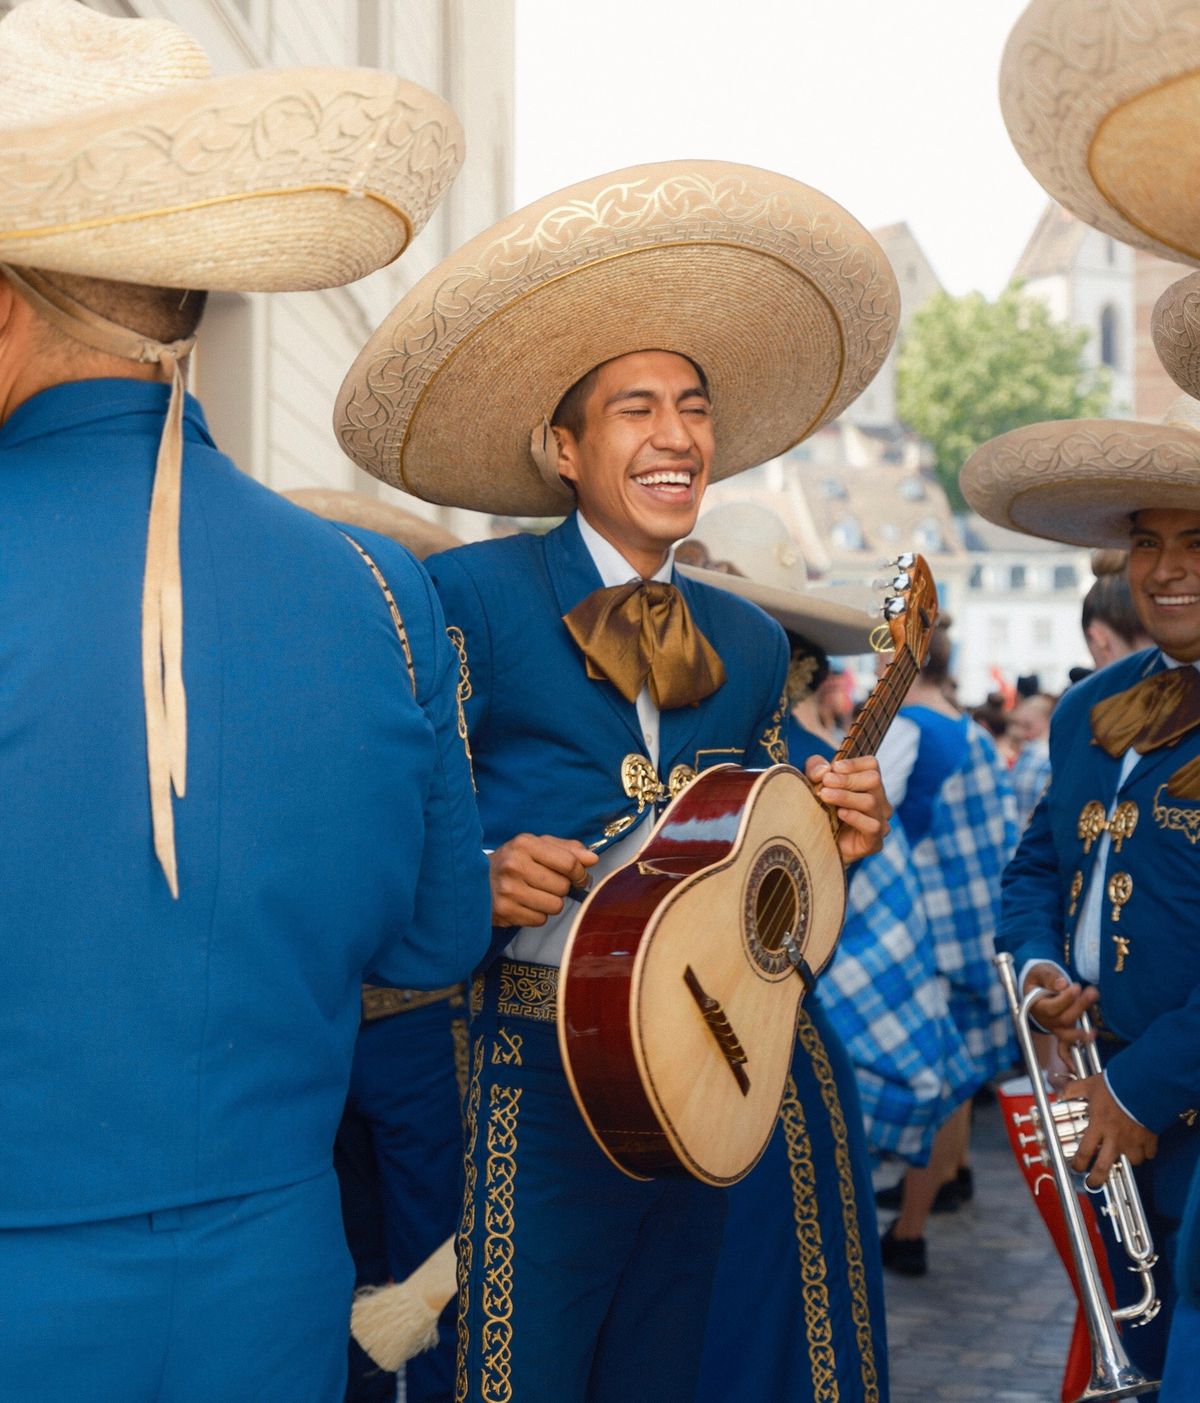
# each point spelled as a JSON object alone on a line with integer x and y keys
{"x": 246, "y": 1300}
{"x": 577, "y": 1283}
{"x": 398, "y": 1156}
{"x": 800, "y": 1284}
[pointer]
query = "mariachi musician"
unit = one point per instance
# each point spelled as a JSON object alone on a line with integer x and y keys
{"x": 1099, "y": 901}
{"x": 601, "y": 355}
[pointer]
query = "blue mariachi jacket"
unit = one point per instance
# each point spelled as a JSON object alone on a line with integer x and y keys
{"x": 1152, "y": 1003}
{"x": 155, "y": 1053}
{"x": 549, "y": 742}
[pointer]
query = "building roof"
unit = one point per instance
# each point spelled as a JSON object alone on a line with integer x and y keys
{"x": 1052, "y": 246}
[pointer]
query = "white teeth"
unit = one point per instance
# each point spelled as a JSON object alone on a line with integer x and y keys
{"x": 668, "y": 479}
{"x": 1177, "y": 599}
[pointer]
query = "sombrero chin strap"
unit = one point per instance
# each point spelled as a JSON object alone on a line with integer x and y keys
{"x": 162, "y": 583}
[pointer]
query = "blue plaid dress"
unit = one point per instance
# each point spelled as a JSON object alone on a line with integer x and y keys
{"x": 883, "y": 995}
{"x": 971, "y": 836}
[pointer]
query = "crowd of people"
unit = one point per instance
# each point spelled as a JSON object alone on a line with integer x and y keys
{"x": 298, "y": 828}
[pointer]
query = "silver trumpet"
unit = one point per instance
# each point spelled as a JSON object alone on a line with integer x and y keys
{"x": 1113, "y": 1375}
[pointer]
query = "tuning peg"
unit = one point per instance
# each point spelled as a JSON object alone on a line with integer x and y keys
{"x": 905, "y": 561}
{"x": 894, "y": 608}
{"x": 901, "y": 582}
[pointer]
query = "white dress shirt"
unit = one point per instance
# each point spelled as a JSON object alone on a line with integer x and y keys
{"x": 543, "y": 945}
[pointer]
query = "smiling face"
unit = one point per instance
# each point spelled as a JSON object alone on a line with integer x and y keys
{"x": 1164, "y": 579}
{"x": 642, "y": 457}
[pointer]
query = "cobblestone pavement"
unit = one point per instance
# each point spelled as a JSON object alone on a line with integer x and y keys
{"x": 991, "y": 1321}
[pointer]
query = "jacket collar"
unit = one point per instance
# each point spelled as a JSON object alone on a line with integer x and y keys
{"x": 117, "y": 407}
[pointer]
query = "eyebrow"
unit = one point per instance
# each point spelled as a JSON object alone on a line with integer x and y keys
{"x": 691, "y": 392}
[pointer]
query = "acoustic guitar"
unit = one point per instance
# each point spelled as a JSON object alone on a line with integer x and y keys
{"x": 684, "y": 971}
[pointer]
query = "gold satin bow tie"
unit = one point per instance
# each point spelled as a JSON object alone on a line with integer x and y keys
{"x": 1155, "y": 712}
{"x": 642, "y": 634}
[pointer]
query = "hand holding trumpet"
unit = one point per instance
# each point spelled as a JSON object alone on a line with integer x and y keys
{"x": 1111, "y": 1132}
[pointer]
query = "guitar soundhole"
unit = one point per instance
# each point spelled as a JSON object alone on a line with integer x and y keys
{"x": 776, "y": 907}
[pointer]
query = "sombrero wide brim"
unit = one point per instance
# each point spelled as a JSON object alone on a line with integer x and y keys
{"x": 831, "y": 624}
{"x": 423, "y": 538}
{"x": 266, "y": 181}
{"x": 1080, "y": 481}
{"x": 1102, "y": 101}
{"x": 783, "y": 299}
{"x": 1175, "y": 326}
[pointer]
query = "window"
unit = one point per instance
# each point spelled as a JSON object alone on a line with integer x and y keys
{"x": 912, "y": 489}
{"x": 1066, "y": 577}
{"x": 847, "y": 534}
{"x": 1110, "y": 251}
{"x": 1016, "y": 577}
{"x": 1108, "y": 336}
{"x": 832, "y": 490}
{"x": 975, "y": 580}
{"x": 928, "y": 535}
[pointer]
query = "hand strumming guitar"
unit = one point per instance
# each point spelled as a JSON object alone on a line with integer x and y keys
{"x": 854, "y": 790}
{"x": 531, "y": 877}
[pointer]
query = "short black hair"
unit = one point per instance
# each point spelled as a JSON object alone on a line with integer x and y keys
{"x": 571, "y": 410}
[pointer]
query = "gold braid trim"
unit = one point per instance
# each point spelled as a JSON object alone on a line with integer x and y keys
{"x": 401, "y": 631}
{"x": 495, "y": 1383}
{"x": 463, "y": 693}
{"x": 818, "y": 1329}
{"x": 856, "y": 1273}
{"x": 467, "y": 1225}
{"x": 773, "y": 740}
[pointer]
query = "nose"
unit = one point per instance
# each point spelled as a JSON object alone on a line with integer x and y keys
{"x": 1169, "y": 564}
{"x": 671, "y": 431}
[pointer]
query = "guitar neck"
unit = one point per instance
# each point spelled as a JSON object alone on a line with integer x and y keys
{"x": 881, "y": 707}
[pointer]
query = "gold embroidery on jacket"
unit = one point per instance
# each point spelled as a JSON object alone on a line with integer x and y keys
{"x": 462, "y": 693}
{"x": 496, "y": 1291}
{"x": 818, "y": 1330}
{"x": 1169, "y": 818}
{"x": 856, "y": 1274}
{"x": 467, "y": 1225}
{"x": 506, "y": 1050}
{"x": 527, "y": 991}
{"x": 773, "y": 740}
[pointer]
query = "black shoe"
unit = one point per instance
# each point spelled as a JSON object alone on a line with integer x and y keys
{"x": 964, "y": 1185}
{"x": 903, "y": 1255}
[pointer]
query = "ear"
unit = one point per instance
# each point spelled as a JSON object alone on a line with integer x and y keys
{"x": 567, "y": 446}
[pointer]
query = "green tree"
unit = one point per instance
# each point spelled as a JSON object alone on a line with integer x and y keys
{"x": 970, "y": 369}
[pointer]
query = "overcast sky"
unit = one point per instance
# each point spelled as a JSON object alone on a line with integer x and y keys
{"x": 888, "y": 106}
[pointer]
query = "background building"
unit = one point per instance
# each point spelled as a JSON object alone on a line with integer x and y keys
{"x": 268, "y": 367}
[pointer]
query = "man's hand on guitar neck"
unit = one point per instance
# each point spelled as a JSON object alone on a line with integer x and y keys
{"x": 531, "y": 877}
{"x": 853, "y": 789}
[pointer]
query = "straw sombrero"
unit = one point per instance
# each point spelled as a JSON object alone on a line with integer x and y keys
{"x": 770, "y": 572}
{"x": 421, "y": 537}
{"x": 783, "y": 299}
{"x": 1175, "y": 326}
{"x": 122, "y": 157}
{"x": 1102, "y": 101}
{"x": 1080, "y": 480}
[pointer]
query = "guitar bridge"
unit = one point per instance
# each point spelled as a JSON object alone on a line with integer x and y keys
{"x": 721, "y": 1029}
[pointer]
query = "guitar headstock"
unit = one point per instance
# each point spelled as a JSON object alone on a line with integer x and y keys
{"x": 911, "y": 610}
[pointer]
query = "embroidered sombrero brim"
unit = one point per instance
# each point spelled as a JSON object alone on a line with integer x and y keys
{"x": 783, "y": 299}
{"x": 1102, "y": 101}
{"x": 421, "y": 537}
{"x": 1175, "y": 326}
{"x": 831, "y": 623}
{"x": 281, "y": 180}
{"x": 1080, "y": 481}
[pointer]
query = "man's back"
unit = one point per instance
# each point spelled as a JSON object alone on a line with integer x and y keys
{"x": 162, "y": 1052}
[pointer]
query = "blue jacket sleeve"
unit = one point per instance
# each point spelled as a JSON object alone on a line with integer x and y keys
{"x": 1030, "y": 905}
{"x": 1156, "y": 1077}
{"x": 451, "y": 920}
